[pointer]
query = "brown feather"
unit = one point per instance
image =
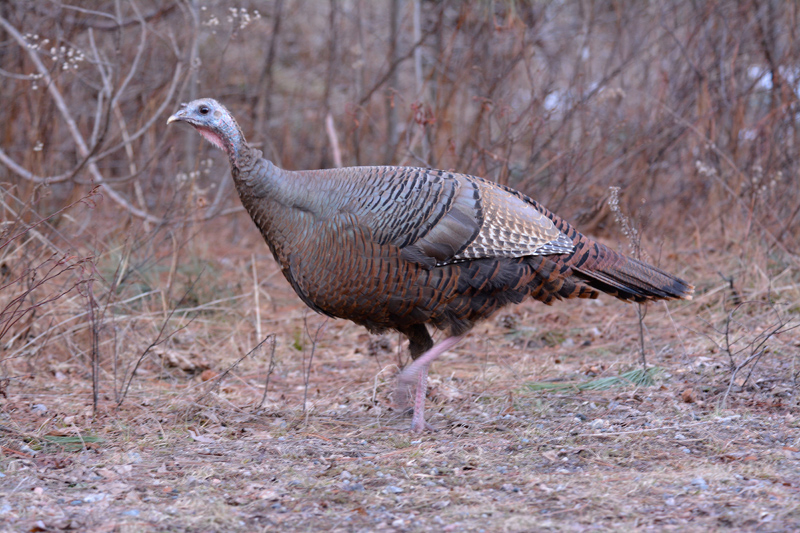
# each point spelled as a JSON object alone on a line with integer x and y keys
{"x": 399, "y": 248}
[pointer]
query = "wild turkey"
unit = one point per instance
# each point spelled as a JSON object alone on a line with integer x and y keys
{"x": 398, "y": 248}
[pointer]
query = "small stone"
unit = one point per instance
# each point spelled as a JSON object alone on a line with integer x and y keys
{"x": 394, "y": 489}
{"x": 353, "y": 487}
{"x": 134, "y": 457}
{"x": 268, "y": 495}
{"x": 39, "y": 408}
{"x": 27, "y": 449}
{"x": 598, "y": 423}
{"x": 680, "y": 436}
{"x": 345, "y": 475}
{"x": 700, "y": 483}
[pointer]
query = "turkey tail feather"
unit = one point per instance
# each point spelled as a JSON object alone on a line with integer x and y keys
{"x": 605, "y": 270}
{"x": 625, "y": 277}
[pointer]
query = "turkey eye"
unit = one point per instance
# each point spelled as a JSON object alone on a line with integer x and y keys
{"x": 204, "y": 110}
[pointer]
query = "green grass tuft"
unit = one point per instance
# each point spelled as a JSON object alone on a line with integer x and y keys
{"x": 636, "y": 377}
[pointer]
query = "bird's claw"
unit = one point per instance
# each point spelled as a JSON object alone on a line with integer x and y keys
{"x": 420, "y": 427}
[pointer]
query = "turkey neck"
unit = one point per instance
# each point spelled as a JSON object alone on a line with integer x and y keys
{"x": 261, "y": 184}
{"x": 280, "y": 202}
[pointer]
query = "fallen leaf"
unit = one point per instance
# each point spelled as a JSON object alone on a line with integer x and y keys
{"x": 687, "y": 396}
{"x": 209, "y": 374}
{"x": 551, "y": 456}
{"x": 188, "y": 362}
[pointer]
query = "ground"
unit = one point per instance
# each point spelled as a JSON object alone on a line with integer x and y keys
{"x": 192, "y": 448}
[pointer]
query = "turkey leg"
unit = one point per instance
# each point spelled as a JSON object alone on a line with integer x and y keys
{"x": 418, "y": 371}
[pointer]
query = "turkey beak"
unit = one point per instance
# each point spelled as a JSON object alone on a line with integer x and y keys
{"x": 180, "y": 115}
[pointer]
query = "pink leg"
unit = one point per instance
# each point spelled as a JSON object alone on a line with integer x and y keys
{"x": 418, "y": 371}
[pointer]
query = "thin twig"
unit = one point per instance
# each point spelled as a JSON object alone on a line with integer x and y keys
{"x": 159, "y": 340}
{"x": 95, "y": 345}
{"x": 215, "y": 383}
{"x": 270, "y": 369}
{"x": 735, "y": 371}
{"x": 87, "y": 199}
{"x": 332, "y": 138}
{"x": 307, "y": 369}
{"x": 255, "y": 295}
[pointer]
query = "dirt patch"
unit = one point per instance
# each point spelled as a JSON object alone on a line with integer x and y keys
{"x": 178, "y": 457}
{"x": 619, "y": 466}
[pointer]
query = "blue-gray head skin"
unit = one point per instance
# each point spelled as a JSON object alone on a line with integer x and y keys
{"x": 216, "y": 124}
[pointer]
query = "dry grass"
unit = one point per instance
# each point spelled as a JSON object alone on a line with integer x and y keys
{"x": 132, "y": 384}
{"x": 176, "y": 456}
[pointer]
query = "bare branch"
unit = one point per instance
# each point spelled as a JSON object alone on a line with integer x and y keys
{"x": 330, "y": 128}
{"x": 80, "y": 143}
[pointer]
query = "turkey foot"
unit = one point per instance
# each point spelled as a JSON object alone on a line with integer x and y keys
{"x": 418, "y": 372}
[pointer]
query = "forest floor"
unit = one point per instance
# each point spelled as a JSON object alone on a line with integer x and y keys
{"x": 192, "y": 447}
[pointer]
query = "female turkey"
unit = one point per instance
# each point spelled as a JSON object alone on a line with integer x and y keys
{"x": 399, "y": 248}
